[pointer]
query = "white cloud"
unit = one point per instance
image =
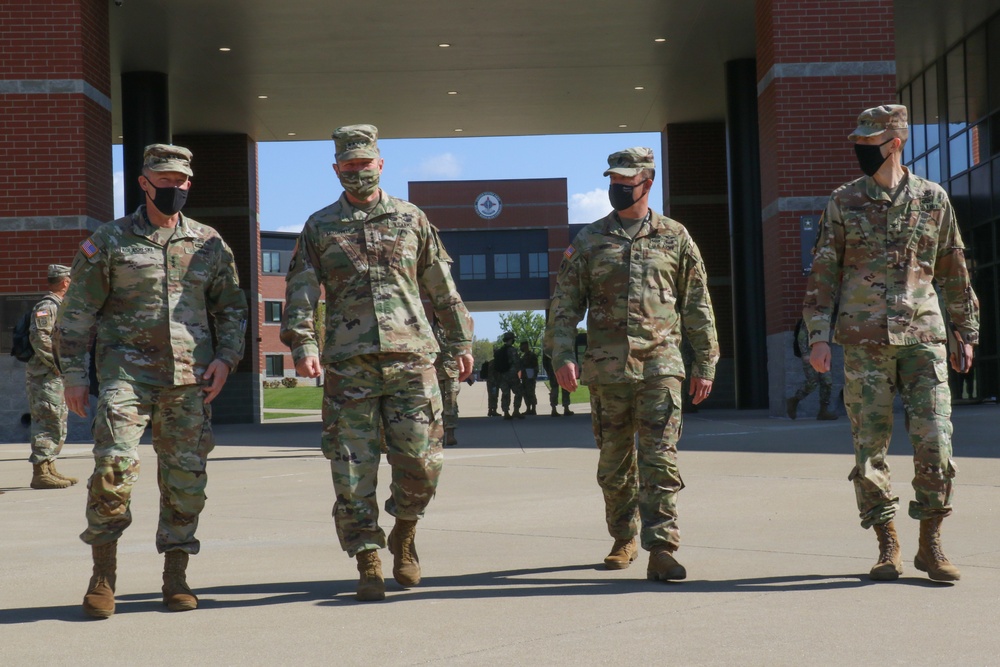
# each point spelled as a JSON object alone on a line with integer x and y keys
{"x": 589, "y": 206}
{"x": 444, "y": 166}
{"x": 291, "y": 228}
{"x": 118, "y": 188}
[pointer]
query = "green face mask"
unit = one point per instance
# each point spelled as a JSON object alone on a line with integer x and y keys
{"x": 361, "y": 184}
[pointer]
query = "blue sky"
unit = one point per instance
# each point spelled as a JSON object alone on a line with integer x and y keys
{"x": 296, "y": 177}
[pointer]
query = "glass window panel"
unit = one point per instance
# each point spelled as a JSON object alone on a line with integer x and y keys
{"x": 920, "y": 167}
{"x": 975, "y": 75}
{"x": 934, "y": 166}
{"x": 918, "y": 120}
{"x": 982, "y": 246}
{"x": 472, "y": 267}
{"x": 986, "y": 289}
{"x": 993, "y": 46}
{"x": 996, "y": 185}
{"x": 979, "y": 182}
{"x": 931, "y": 107}
{"x": 958, "y": 149}
{"x": 957, "y": 119}
{"x": 959, "y": 192}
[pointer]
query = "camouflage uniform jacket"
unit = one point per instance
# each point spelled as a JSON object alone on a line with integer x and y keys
{"x": 874, "y": 263}
{"x": 373, "y": 267}
{"x": 637, "y": 294}
{"x": 43, "y": 321}
{"x": 151, "y": 301}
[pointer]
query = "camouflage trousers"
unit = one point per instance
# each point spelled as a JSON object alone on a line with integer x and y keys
{"x": 182, "y": 439}
{"x": 873, "y": 374}
{"x": 400, "y": 393}
{"x": 48, "y": 416}
{"x": 447, "y": 376}
{"x": 528, "y": 391}
{"x": 509, "y": 383}
{"x": 814, "y": 379}
{"x": 554, "y": 390}
{"x": 639, "y": 475}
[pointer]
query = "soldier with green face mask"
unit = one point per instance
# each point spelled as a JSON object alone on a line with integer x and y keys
{"x": 376, "y": 256}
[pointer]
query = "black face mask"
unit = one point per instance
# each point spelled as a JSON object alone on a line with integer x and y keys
{"x": 622, "y": 196}
{"x": 168, "y": 200}
{"x": 870, "y": 157}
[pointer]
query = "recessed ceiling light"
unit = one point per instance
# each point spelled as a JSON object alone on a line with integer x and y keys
{"x": 262, "y": 97}
{"x": 453, "y": 92}
{"x": 291, "y": 134}
{"x": 444, "y": 45}
{"x": 640, "y": 88}
{"x": 225, "y": 49}
{"x": 458, "y": 129}
{"x": 623, "y": 125}
{"x": 660, "y": 40}
{"x": 120, "y": 136}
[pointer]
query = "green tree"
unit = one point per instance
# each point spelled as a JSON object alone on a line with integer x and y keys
{"x": 529, "y": 326}
{"x": 482, "y": 350}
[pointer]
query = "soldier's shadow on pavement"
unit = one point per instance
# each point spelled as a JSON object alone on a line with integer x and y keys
{"x": 521, "y": 583}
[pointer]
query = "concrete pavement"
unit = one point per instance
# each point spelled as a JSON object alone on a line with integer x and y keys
{"x": 511, "y": 551}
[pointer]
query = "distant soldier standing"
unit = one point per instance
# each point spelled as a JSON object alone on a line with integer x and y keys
{"x": 375, "y": 255}
{"x": 506, "y": 369}
{"x": 813, "y": 379}
{"x": 151, "y": 281}
{"x": 884, "y": 240}
{"x": 45, "y": 388}
{"x": 529, "y": 375}
{"x": 555, "y": 389}
{"x": 640, "y": 278}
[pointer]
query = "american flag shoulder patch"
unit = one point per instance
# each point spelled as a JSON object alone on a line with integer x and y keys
{"x": 88, "y": 248}
{"x": 569, "y": 252}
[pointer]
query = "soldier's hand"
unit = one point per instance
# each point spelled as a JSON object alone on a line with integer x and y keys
{"x": 308, "y": 367}
{"x": 819, "y": 357}
{"x": 78, "y": 400}
{"x": 566, "y": 377}
{"x": 465, "y": 362}
{"x": 216, "y": 374}
{"x": 700, "y": 389}
{"x": 956, "y": 360}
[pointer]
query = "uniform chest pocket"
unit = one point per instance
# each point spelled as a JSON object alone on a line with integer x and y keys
{"x": 404, "y": 245}
{"x": 923, "y": 231}
{"x": 342, "y": 255}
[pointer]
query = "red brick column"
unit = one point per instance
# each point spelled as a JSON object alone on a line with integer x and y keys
{"x": 225, "y": 195}
{"x": 692, "y": 169}
{"x": 818, "y": 65}
{"x": 55, "y": 143}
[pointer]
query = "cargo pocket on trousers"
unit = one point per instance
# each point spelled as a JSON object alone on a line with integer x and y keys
{"x": 941, "y": 392}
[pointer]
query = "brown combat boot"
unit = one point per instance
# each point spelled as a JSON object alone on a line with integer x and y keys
{"x": 56, "y": 473}
{"x": 43, "y": 478}
{"x": 405, "y": 563}
{"x": 99, "y": 601}
{"x": 930, "y": 558}
{"x": 825, "y": 414}
{"x": 791, "y": 407}
{"x": 663, "y": 566}
{"x": 449, "y": 437}
{"x": 889, "y": 565}
{"x": 176, "y": 594}
{"x": 371, "y": 585}
{"x": 622, "y": 554}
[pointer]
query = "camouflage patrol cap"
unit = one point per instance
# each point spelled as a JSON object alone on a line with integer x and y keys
{"x": 167, "y": 157}
{"x": 356, "y": 142}
{"x": 58, "y": 271}
{"x": 630, "y": 161}
{"x": 875, "y": 121}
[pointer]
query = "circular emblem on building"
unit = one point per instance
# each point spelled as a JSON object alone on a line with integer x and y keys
{"x": 488, "y": 205}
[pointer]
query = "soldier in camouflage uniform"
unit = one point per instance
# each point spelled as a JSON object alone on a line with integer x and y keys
{"x": 447, "y": 371}
{"x": 884, "y": 240}
{"x": 45, "y": 388}
{"x": 151, "y": 281}
{"x": 640, "y": 278}
{"x": 509, "y": 381}
{"x": 374, "y": 255}
{"x": 812, "y": 380}
{"x": 529, "y": 378}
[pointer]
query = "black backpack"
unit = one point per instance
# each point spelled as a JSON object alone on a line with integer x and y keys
{"x": 20, "y": 347}
{"x": 501, "y": 360}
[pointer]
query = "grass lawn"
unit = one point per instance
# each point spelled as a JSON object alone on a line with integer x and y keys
{"x": 283, "y": 415}
{"x": 581, "y": 395}
{"x": 300, "y": 398}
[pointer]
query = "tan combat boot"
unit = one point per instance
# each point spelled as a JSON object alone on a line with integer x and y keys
{"x": 99, "y": 601}
{"x": 176, "y": 594}
{"x": 825, "y": 414}
{"x": 663, "y": 566}
{"x": 43, "y": 478}
{"x": 889, "y": 565}
{"x": 371, "y": 585}
{"x": 930, "y": 558}
{"x": 622, "y": 554}
{"x": 56, "y": 473}
{"x": 791, "y": 407}
{"x": 405, "y": 563}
